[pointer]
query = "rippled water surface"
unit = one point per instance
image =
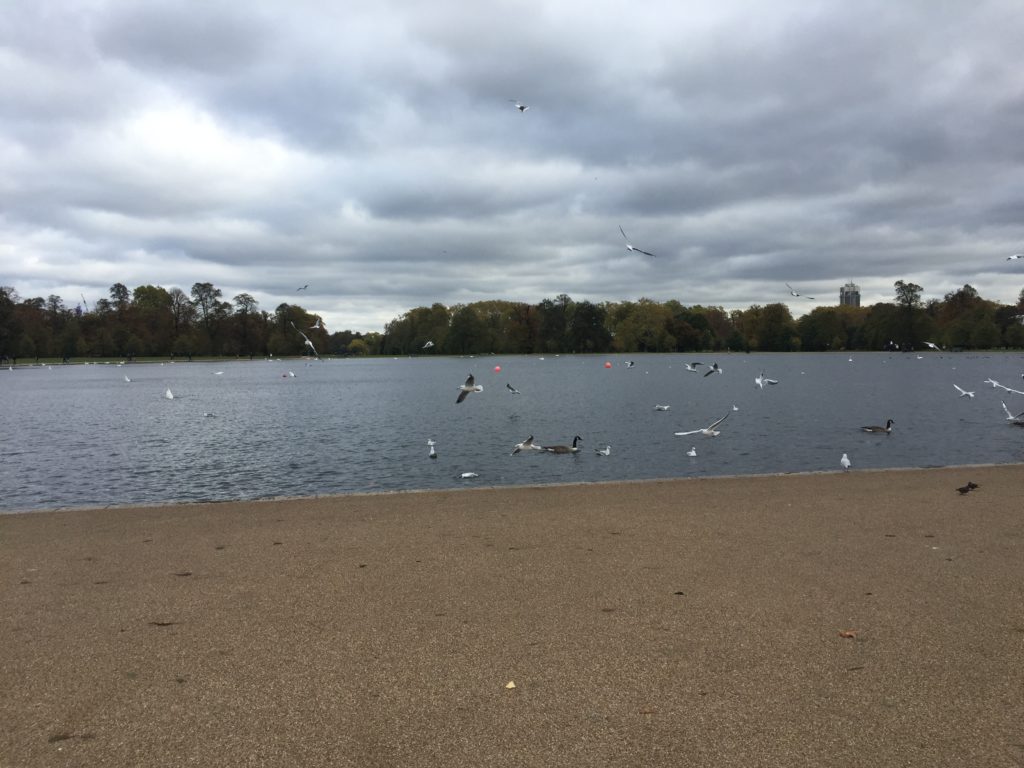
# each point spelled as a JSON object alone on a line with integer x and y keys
{"x": 80, "y": 435}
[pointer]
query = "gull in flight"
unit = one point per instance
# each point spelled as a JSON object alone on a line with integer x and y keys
{"x": 798, "y": 295}
{"x": 708, "y": 431}
{"x": 1004, "y": 387}
{"x": 1010, "y": 416}
{"x": 318, "y": 325}
{"x": 606, "y": 451}
{"x": 308, "y": 342}
{"x": 302, "y": 288}
{"x": 713, "y": 369}
{"x": 129, "y": 381}
{"x": 1015, "y": 256}
{"x": 468, "y": 387}
{"x": 428, "y": 345}
{"x": 692, "y": 453}
{"x": 662, "y": 407}
{"x": 932, "y": 345}
{"x": 845, "y": 461}
{"x": 630, "y": 246}
{"x": 760, "y": 380}
{"x": 521, "y": 107}
{"x": 512, "y": 389}
{"x": 692, "y": 367}
{"x": 963, "y": 392}
{"x": 526, "y": 445}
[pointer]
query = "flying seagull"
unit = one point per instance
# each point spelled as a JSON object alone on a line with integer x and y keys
{"x": 798, "y": 295}
{"x": 662, "y": 407}
{"x": 714, "y": 369}
{"x": 692, "y": 367}
{"x": 526, "y": 445}
{"x": 963, "y": 392}
{"x": 630, "y": 246}
{"x": 521, "y": 107}
{"x": 428, "y": 345}
{"x": 302, "y": 288}
{"x": 308, "y": 342}
{"x": 318, "y": 325}
{"x": 760, "y": 380}
{"x": 512, "y": 389}
{"x": 932, "y": 345}
{"x": 708, "y": 431}
{"x": 1015, "y": 256}
{"x": 468, "y": 387}
{"x": 1010, "y": 416}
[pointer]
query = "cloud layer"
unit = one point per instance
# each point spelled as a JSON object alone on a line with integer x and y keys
{"x": 373, "y": 152}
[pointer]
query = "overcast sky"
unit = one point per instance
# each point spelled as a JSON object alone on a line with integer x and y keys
{"x": 371, "y": 150}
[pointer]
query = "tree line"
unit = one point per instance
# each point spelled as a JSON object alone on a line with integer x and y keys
{"x": 152, "y": 321}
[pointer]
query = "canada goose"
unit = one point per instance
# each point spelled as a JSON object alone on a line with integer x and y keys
{"x": 708, "y": 431}
{"x": 468, "y": 387}
{"x": 574, "y": 448}
{"x": 526, "y": 445}
{"x": 886, "y": 429}
{"x": 963, "y": 392}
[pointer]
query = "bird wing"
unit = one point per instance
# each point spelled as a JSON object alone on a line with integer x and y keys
{"x": 645, "y": 253}
{"x": 709, "y": 372}
{"x": 961, "y": 391}
{"x": 689, "y": 432}
{"x": 623, "y": 234}
{"x": 1007, "y": 411}
{"x": 462, "y": 396}
{"x": 712, "y": 426}
{"x": 772, "y": 381}
{"x": 469, "y": 380}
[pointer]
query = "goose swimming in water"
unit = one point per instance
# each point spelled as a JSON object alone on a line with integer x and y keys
{"x": 886, "y": 429}
{"x": 574, "y": 448}
{"x": 468, "y": 387}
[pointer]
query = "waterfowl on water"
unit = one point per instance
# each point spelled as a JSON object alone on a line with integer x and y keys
{"x": 574, "y": 448}
{"x": 886, "y": 429}
{"x": 606, "y": 451}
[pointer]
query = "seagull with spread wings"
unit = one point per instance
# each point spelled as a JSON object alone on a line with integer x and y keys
{"x": 630, "y": 246}
{"x": 792, "y": 292}
{"x": 708, "y": 431}
{"x": 308, "y": 342}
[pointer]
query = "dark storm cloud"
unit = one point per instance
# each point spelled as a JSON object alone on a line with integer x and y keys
{"x": 371, "y": 150}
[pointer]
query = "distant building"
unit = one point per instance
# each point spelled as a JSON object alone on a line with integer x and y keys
{"x": 849, "y": 295}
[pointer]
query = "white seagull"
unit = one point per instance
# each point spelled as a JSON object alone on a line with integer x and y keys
{"x": 308, "y": 342}
{"x": 692, "y": 453}
{"x": 606, "y": 451}
{"x": 433, "y": 453}
{"x": 1015, "y": 256}
{"x": 662, "y": 407}
{"x": 760, "y": 380}
{"x": 467, "y": 475}
{"x": 708, "y": 431}
{"x": 468, "y": 387}
{"x": 963, "y": 392}
{"x": 1010, "y": 416}
{"x": 428, "y": 345}
{"x": 168, "y": 394}
{"x": 630, "y": 246}
{"x": 521, "y": 107}
{"x": 692, "y": 367}
{"x": 798, "y": 295}
{"x": 318, "y": 325}
{"x": 714, "y": 369}
{"x": 129, "y": 381}
{"x": 845, "y": 461}
{"x": 526, "y": 445}
{"x": 933, "y": 345}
